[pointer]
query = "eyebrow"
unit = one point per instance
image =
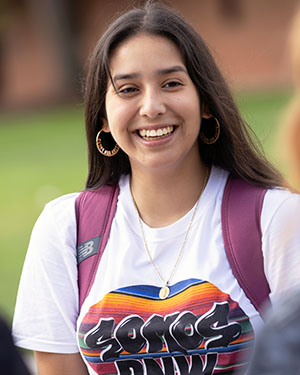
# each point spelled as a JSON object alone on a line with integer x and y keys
{"x": 172, "y": 69}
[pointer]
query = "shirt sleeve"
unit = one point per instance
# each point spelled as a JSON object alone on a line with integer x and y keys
{"x": 281, "y": 241}
{"x": 47, "y": 301}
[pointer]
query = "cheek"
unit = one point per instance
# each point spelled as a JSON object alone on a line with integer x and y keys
{"x": 113, "y": 117}
{"x": 192, "y": 112}
{"x": 118, "y": 114}
{"x": 189, "y": 103}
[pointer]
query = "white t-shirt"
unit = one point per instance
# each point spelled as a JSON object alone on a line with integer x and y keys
{"x": 123, "y": 326}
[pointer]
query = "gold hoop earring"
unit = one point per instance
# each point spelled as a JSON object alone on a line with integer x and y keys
{"x": 102, "y": 150}
{"x": 214, "y": 137}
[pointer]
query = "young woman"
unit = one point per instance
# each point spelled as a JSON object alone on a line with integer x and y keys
{"x": 161, "y": 124}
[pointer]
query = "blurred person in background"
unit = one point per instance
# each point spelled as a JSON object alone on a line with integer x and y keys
{"x": 277, "y": 347}
{"x": 164, "y": 132}
{"x": 11, "y": 362}
{"x": 289, "y": 130}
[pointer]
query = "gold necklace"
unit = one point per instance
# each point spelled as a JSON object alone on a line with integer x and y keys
{"x": 165, "y": 290}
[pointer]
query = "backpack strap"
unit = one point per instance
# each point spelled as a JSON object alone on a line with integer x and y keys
{"x": 241, "y": 212}
{"x": 95, "y": 210}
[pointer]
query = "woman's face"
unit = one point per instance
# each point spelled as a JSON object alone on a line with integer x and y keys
{"x": 154, "y": 114}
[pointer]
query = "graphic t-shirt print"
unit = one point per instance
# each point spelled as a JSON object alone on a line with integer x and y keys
{"x": 197, "y": 330}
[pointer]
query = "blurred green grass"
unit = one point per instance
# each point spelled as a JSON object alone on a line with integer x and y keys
{"x": 43, "y": 155}
{"x": 263, "y": 111}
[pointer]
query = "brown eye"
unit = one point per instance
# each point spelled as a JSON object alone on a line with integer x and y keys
{"x": 128, "y": 91}
{"x": 172, "y": 84}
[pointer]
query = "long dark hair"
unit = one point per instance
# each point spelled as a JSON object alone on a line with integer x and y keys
{"x": 235, "y": 150}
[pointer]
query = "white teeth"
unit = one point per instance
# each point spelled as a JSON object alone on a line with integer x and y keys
{"x": 156, "y": 133}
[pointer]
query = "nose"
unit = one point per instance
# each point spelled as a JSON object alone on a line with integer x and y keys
{"x": 152, "y": 104}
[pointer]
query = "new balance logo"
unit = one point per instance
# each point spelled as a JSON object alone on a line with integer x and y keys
{"x": 88, "y": 248}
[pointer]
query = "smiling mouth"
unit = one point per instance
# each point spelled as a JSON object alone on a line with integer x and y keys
{"x": 148, "y": 134}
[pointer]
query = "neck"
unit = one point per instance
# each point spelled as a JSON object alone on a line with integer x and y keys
{"x": 163, "y": 198}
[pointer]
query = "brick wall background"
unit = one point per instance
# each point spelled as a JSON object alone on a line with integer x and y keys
{"x": 44, "y": 44}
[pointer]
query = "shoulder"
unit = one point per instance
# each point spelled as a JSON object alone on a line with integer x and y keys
{"x": 61, "y": 207}
{"x": 281, "y": 240}
{"x": 57, "y": 219}
{"x": 64, "y": 201}
{"x": 280, "y": 205}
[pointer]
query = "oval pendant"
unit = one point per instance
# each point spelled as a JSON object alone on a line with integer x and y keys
{"x": 164, "y": 292}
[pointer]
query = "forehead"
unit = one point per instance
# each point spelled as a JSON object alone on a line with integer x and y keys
{"x": 147, "y": 52}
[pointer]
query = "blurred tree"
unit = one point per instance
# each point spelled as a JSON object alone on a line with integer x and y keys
{"x": 56, "y": 19}
{"x": 4, "y": 18}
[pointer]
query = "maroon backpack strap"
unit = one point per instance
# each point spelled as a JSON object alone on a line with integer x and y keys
{"x": 95, "y": 210}
{"x": 241, "y": 212}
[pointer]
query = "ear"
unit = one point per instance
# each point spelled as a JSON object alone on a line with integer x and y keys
{"x": 205, "y": 113}
{"x": 105, "y": 126}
